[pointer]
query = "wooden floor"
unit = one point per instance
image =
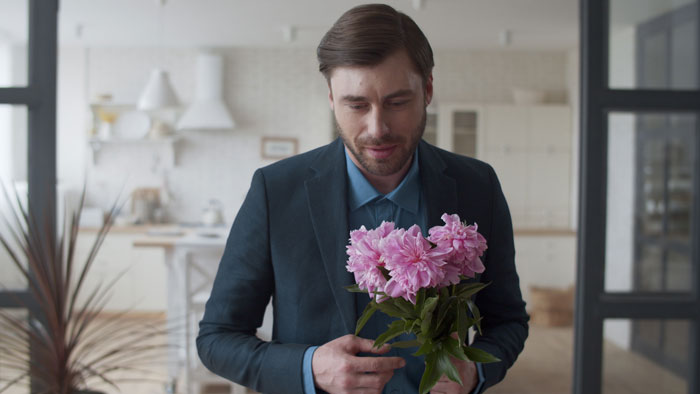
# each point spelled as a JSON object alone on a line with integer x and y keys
{"x": 544, "y": 367}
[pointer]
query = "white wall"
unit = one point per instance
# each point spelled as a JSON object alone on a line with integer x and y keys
{"x": 487, "y": 77}
{"x": 620, "y": 186}
{"x": 272, "y": 92}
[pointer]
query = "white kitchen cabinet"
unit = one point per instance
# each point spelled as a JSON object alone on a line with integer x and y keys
{"x": 547, "y": 260}
{"x": 141, "y": 287}
{"x": 529, "y": 148}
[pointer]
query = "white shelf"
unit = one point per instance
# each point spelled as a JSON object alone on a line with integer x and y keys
{"x": 166, "y": 144}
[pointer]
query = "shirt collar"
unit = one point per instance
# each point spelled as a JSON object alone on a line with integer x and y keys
{"x": 361, "y": 192}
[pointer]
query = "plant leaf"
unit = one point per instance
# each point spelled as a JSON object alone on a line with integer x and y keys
{"x": 462, "y": 324}
{"x": 425, "y": 348}
{"x": 395, "y": 329}
{"x": 406, "y": 344}
{"x": 466, "y": 290}
{"x": 446, "y": 367}
{"x": 431, "y": 374}
{"x": 390, "y": 309}
{"x": 366, "y": 314}
{"x": 477, "y": 316}
{"x": 354, "y": 289}
{"x": 454, "y": 348}
{"x": 479, "y": 356}
{"x": 427, "y": 315}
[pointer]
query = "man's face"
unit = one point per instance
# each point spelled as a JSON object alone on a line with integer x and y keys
{"x": 380, "y": 112}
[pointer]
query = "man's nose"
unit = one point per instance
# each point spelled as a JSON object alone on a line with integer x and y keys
{"x": 377, "y": 123}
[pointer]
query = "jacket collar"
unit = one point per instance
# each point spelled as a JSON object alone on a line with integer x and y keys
{"x": 328, "y": 205}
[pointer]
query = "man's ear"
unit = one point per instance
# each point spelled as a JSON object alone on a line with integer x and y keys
{"x": 429, "y": 90}
{"x": 330, "y": 98}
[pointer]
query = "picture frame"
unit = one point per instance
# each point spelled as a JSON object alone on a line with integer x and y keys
{"x": 278, "y": 147}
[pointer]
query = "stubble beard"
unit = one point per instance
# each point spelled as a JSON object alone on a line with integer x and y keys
{"x": 390, "y": 165}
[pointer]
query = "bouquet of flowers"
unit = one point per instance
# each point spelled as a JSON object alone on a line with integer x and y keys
{"x": 417, "y": 280}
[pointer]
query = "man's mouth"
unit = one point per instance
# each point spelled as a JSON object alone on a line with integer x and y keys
{"x": 381, "y": 152}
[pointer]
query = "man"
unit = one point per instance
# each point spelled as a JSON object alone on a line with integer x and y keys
{"x": 288, "y": 240}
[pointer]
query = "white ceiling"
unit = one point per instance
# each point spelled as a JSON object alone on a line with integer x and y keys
{"x": 464, "y": 24}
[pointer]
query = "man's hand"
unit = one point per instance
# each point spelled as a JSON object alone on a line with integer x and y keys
{"x": 337, "y": 369}
{"x": 467, "y": 371}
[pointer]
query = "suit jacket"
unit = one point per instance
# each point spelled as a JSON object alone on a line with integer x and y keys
{"x": 288, "y": 242}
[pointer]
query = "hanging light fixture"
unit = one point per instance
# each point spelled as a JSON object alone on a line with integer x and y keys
{"x": 158, "y": 93}
{"x": 208, "y": 110}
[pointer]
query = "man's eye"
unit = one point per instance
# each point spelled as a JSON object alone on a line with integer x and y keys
{"x": 357, "y": 106}
{"x": 396, "y": 104}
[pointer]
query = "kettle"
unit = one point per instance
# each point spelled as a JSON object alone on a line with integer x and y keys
{"x": 213, "y": 215}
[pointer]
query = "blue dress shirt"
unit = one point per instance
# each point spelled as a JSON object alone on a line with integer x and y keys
{"x": 405, "y": 207}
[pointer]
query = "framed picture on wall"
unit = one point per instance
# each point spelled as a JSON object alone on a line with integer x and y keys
{"x": 278, "y": 147}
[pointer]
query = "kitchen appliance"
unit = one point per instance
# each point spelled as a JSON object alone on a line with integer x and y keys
{"x": 145, "y": 204}
{"x": 213, "y": 213}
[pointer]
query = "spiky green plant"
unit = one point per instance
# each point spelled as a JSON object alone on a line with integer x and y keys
{"x": 73, "y": 345}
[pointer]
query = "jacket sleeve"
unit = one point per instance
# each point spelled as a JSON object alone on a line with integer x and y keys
{"x": 244, "y": 283}
{"x": 505, "y": 322}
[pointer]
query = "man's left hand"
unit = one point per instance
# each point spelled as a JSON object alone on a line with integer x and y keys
{"x": 470, "y": 377}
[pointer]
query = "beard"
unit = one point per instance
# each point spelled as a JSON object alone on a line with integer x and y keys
{"x": 405, "y": 146}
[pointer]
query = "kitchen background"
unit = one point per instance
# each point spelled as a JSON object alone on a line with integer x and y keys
{"x": 506, "y": 76}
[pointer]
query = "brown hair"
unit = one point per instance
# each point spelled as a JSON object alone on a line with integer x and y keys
{"x": 367, "y": 34}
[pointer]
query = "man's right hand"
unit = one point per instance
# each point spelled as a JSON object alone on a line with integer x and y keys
{"x": 337, "y": 369}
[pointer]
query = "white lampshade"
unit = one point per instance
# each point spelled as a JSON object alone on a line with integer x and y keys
{"x": 208, "y": 111}
{"x": 158, "y": 93}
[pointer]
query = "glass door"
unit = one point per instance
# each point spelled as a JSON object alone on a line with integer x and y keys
{"x": 638, "y": 283}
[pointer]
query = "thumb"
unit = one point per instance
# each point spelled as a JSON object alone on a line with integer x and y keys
{"x": 358, "y": 345}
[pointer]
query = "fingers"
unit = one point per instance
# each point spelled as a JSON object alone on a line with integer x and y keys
{"x": 356, "y": 345}
{"x": 376, "y": 364}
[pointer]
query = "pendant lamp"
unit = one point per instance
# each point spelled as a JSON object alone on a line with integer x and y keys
{"x": 158, "y": 93}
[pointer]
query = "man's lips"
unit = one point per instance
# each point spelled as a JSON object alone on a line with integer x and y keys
{"x": 381, "y": 152}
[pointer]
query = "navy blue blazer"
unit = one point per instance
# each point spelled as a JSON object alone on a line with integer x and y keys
{"x": 288, "y": 242}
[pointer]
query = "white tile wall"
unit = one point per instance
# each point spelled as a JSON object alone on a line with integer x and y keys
{"x": 270, "y": 92}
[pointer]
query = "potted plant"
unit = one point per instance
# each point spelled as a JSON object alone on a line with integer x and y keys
{"x": 73, "y": 344}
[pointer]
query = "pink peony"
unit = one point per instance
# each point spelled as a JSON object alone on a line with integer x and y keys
{"x": 412, "y": 263}
{"x": 365, "y": 257}
{"x": 466, "y": 245}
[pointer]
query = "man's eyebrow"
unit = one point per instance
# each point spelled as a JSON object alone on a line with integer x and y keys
{"x": 399, "y": 93}
{"x": 352, "y": 98}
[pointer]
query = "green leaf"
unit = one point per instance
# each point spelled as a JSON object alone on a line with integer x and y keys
{"x": 405, "y": 306}
{"x": 428, "y": 307}
{"x": 406, "y": 344}
{"x": 477, "y": 316}
{"x": 366, "y": 314}
{"x": 480, "y": 356}
{"x": 420, "y": 300}
{"x": 466, "y": 290}
{"x": 354, "y": 289}
{"x": 462, "y": 324}
{"x": 443, "y": 312}
{"x": 455, "y": 349}
{"x": 431, "y": 374}
{"x": 391, "y": 309}
{"x": 425, "y": 348}
{"x": 427, "y": 316}
{"x": 395, "y": 329}
{"x": 444, "y": 293}
{"x": 446, "y": 367}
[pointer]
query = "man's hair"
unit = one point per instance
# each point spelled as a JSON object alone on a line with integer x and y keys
{"x": 368, "y": 34}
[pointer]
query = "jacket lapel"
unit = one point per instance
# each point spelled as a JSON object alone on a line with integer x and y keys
{"x": 327, "y": 196}
{"x": 439, "y": 189}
